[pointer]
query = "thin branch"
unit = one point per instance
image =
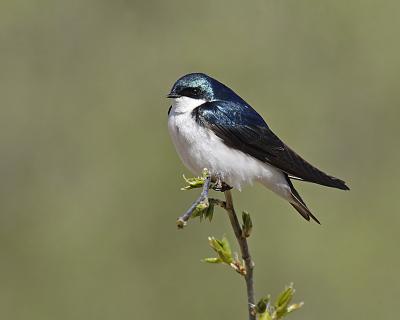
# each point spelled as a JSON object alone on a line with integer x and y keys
{"x": 240, "y": 236}
{"x": 182, "y": 220}
{"x": 276, "y": 311}
{"x": 244, "y": 249}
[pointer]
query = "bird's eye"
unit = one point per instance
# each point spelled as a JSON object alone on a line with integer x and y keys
{"x": 193, "y": 92}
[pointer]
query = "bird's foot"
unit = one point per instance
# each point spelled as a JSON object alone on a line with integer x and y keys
{"x": 221, "y": 186}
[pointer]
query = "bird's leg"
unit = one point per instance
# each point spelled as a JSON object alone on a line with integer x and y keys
{"x": 220, "y": 185}
{"x": 203, "y": 198}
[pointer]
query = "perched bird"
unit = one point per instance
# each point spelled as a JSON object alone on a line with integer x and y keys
{"x": 212, "y": 127}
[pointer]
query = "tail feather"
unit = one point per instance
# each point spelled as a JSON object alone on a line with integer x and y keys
{"x": 298, "y": 203}
{"x": 304, "y": 211}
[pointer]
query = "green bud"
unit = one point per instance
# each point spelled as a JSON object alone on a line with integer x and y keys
{"x": 222, "y": 248}
{"x": 193, "y": 183}
{"x": 202, "y": 206}
{"x": 283, "y": 301}
{"x": 201, "y": 210}
{"x": 247, "y": 225}
{"x": 209, "y": 213}
{"x": 262, "y": 304}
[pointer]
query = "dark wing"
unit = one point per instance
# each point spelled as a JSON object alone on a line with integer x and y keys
{"x": 242, "y": 128}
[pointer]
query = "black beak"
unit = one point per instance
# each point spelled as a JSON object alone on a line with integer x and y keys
{"x": 172, "y": 95}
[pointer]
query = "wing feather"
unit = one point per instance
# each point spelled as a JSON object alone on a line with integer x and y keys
{"x": 240, "y": 127}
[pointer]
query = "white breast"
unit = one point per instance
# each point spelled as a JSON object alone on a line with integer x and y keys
{"x": 200, "y": 148}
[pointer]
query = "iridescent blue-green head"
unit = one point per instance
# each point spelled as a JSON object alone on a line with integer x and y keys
{"x": 201, "y": 86}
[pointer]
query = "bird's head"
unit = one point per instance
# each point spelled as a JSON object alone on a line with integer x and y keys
{"x": 200, "y": 86}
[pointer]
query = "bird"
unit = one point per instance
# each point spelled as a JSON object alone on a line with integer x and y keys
{"x": 213, "y": 127}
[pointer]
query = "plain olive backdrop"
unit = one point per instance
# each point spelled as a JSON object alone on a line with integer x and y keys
{"x": 89, "y": 179}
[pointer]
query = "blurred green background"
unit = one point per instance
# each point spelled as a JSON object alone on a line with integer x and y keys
{"x": 89, "y": 188}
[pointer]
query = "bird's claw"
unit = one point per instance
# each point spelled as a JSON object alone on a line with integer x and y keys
{"x": 221, "y": 186}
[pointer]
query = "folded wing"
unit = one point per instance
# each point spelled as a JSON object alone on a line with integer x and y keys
{"x": 240, "y": 127}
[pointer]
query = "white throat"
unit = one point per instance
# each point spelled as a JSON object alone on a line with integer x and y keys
{"x": 185, "y": 104}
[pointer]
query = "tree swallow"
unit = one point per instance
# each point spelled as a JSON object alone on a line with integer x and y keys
{"x": 212, "y": 127}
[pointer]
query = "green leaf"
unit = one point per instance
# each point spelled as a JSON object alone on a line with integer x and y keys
{"x": 222, "y": 248}
{"x": 282, "y": 304}
{"x": 204, "y": 210}
{"x": 201, "y": 208}
{"x": 196, "y": 182}
{"x": 294, "y": 307}
{"x": 193, "y": 183}
{"x": 285, "y": 297}
{"x": 247, "y": 225}
{"x": 209, "y": 212}
{"x": 212, "y": 260}
{"x": 280, "y": 309}
{"x": 265, "y": 316}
